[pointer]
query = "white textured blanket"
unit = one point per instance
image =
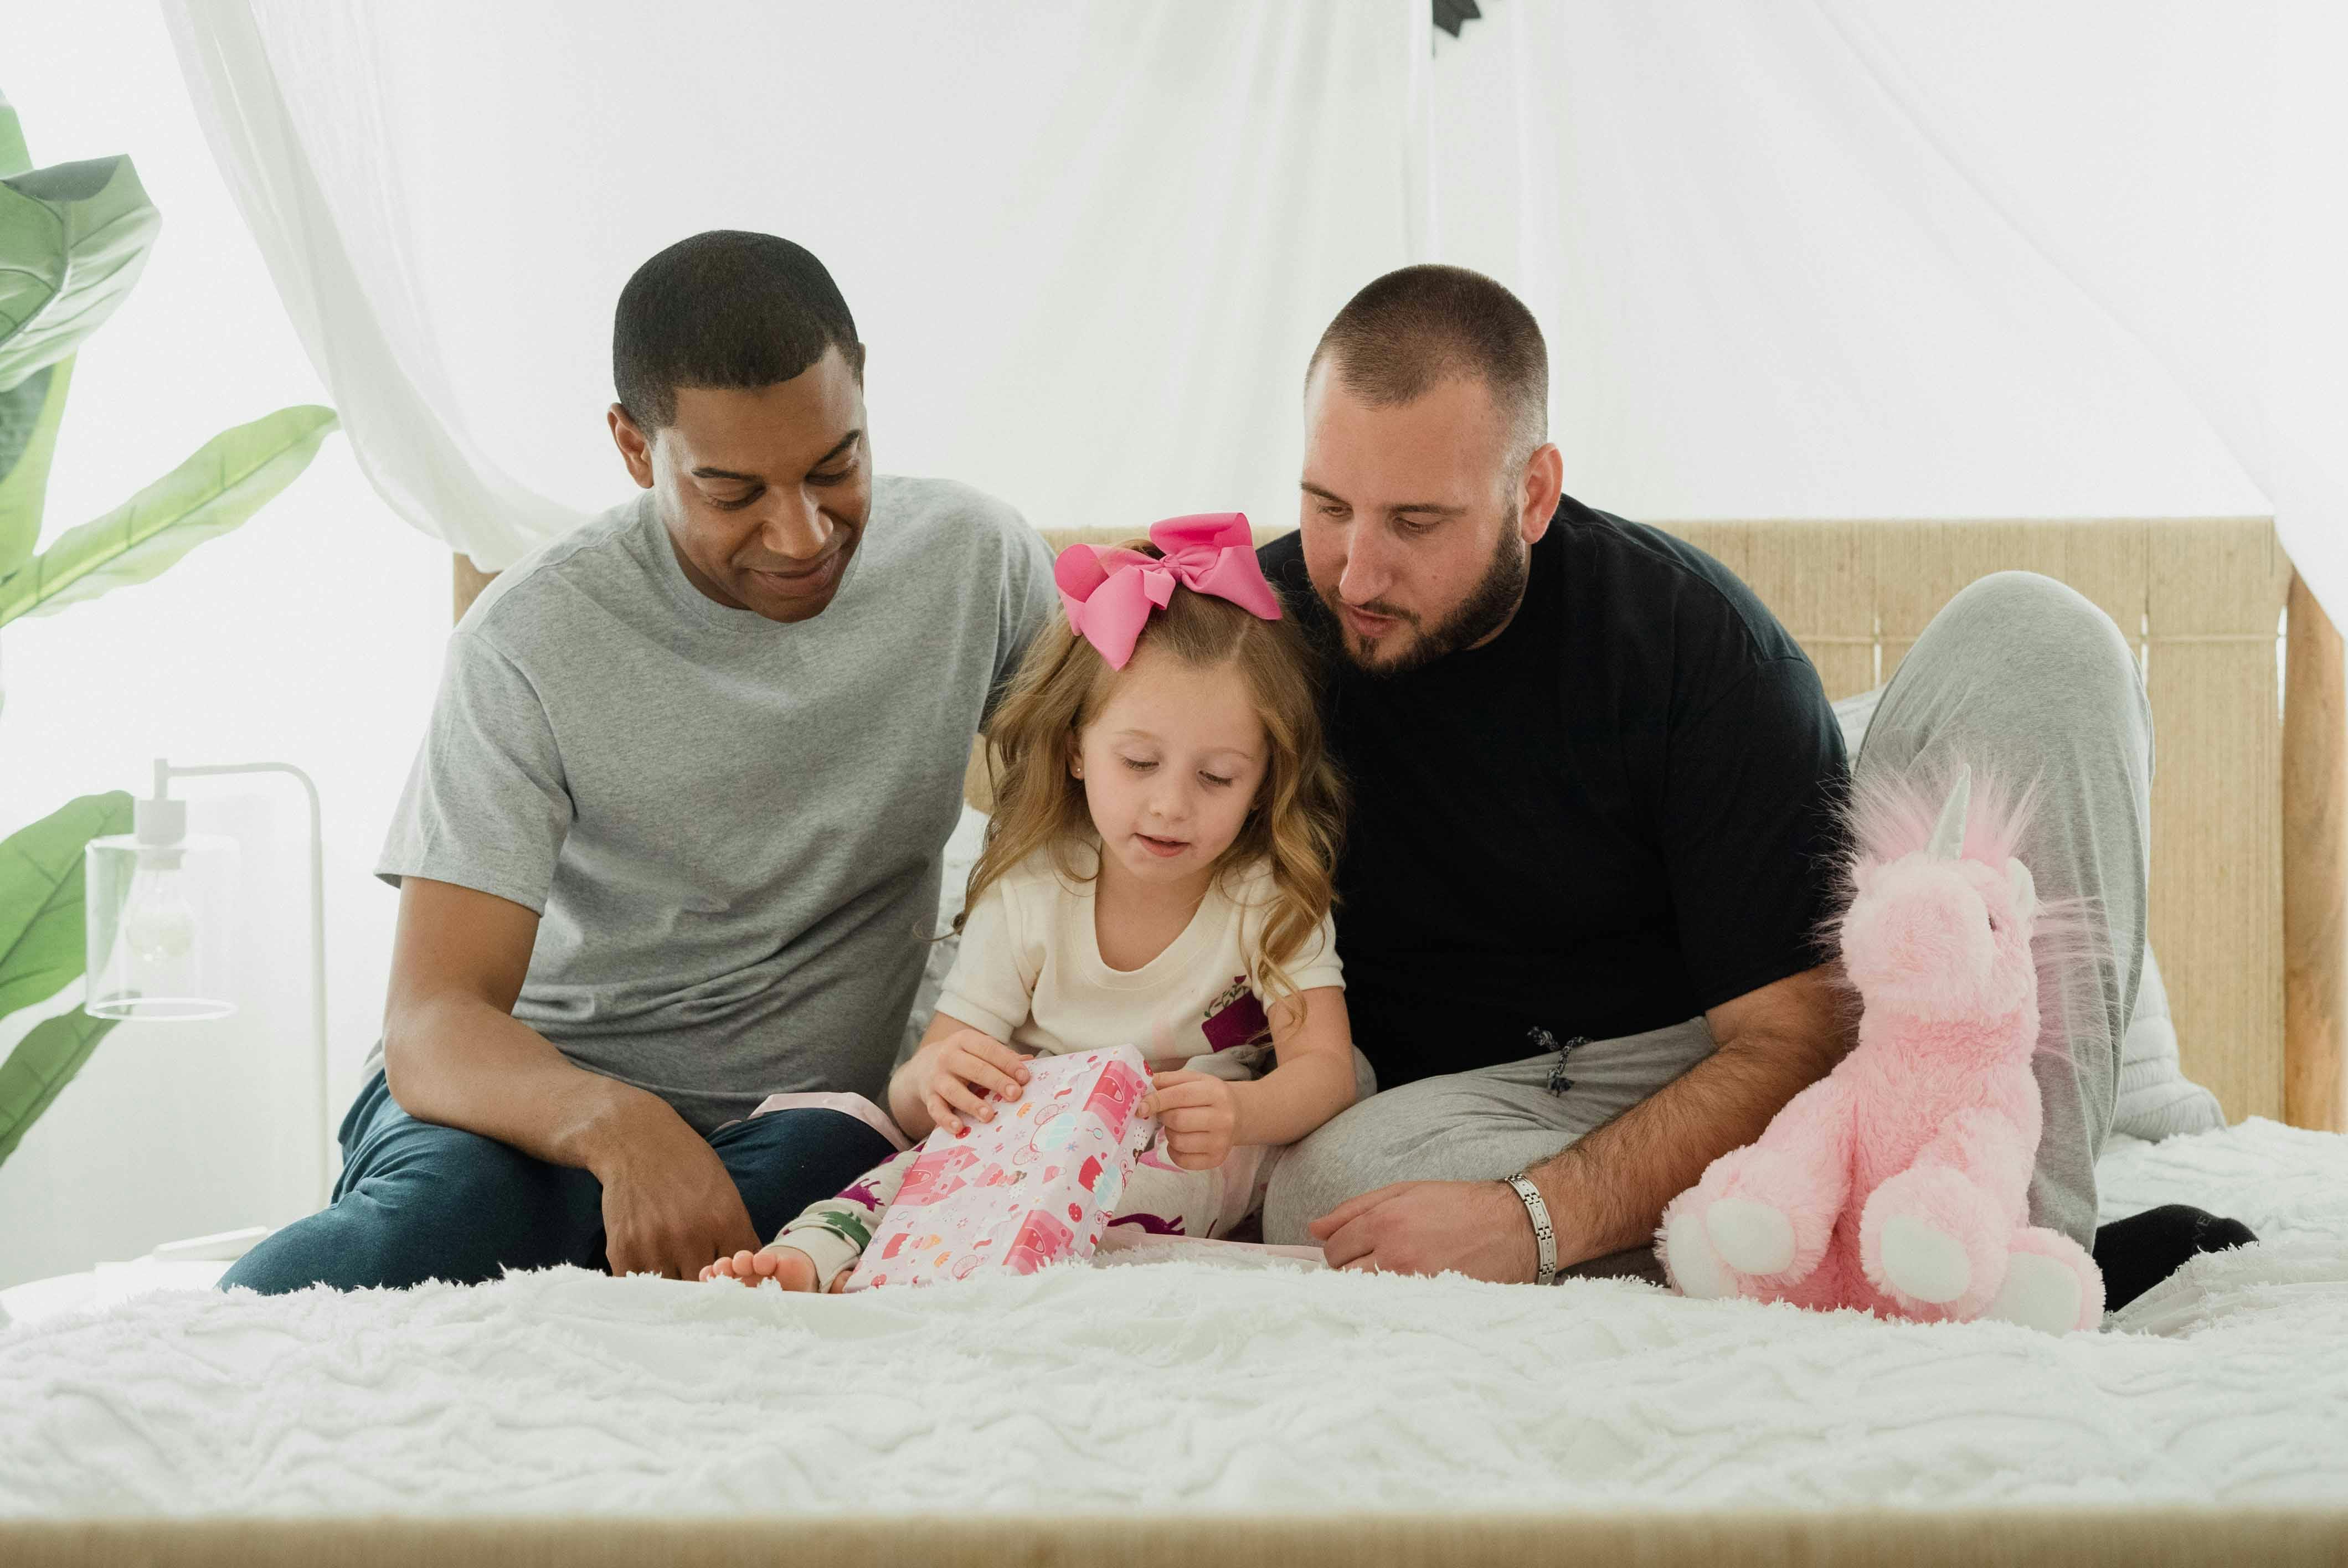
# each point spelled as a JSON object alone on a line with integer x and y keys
{"x": 1181, "y": 1384}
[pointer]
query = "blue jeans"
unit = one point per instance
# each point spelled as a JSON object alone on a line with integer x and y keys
{"x": 418, "y": 1200}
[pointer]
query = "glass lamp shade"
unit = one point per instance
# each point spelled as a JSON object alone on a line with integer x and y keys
{"x": 159, "y": 919}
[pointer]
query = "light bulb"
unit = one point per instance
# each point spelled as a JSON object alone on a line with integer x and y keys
{"x": 159, "y": 924}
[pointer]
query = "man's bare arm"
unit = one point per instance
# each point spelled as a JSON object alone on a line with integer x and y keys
{"x": 1607, "y": 1193}
{"x": 454, "y": 1053}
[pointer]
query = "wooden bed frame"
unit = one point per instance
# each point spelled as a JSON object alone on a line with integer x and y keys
{"x": 2249, "y": 798}
{"x": 2098, "y": 1537}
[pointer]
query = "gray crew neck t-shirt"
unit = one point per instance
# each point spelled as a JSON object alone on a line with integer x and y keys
{"x": 730, "y": 827}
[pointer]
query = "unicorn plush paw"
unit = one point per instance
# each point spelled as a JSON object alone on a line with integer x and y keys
{"x": 2050, "y": 1284}
{"x": 1696, "y": 1264}
{"x": 1689, "y": 1259}
{"x": 1756, "y": 1223}
{"x": 1934, "y": 1242}
{"x": 1751, "y": 1236}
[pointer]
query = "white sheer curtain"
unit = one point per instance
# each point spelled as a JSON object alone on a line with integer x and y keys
{"x": 1915, "y": 258}
{"x": 1852, "y": 258}
{"x": 2200, "y": 204}
{"x": 1088, "y": 246}
{"x": 307, "y": 129}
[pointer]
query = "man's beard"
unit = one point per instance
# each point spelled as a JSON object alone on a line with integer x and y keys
{"x": 1485, "y": 610}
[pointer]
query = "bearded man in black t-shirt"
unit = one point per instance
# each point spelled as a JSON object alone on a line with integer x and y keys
{"x": 1594, "y": 817}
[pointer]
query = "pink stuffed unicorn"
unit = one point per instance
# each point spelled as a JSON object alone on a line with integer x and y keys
{"x": 1898, "y": 1182}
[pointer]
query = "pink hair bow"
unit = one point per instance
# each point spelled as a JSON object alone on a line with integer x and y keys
{"x": 1109, "y": 593}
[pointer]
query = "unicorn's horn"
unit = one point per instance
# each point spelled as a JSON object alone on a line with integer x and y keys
{"x": 1948, "y": 835}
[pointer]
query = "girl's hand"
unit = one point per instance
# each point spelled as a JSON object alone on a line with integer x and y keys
{"x": 776, "y": 1264}
{"x": 1200, "y": 1114}
{"x": 962, "y": 1075}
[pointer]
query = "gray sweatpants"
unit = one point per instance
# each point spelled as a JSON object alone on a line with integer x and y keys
{"x": 2018, "y": 675}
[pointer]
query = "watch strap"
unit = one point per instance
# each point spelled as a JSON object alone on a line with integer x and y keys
{"x": 1544, "y": 1233}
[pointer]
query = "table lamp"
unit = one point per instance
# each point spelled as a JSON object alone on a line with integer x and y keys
{"x": 159, "y": 904}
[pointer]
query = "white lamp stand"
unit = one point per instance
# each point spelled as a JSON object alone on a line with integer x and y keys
{"x": 154, "y": 899}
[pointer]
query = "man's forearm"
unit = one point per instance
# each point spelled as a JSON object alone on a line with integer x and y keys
{"x": 463, "y": 1063}
{"x": 1607, "y": 1193}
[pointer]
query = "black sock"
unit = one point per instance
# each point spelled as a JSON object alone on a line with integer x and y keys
{"x": 2140, "y": 1251}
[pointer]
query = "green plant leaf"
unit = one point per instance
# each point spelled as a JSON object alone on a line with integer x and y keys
{"x": 30, "y": 413}
{"x": 43, "y": 1063}
{"x": 230, "y": 476}
{"x": 73, "y": 238}
{"x": 13, "y": 159}
{"x": 41, "y": 948}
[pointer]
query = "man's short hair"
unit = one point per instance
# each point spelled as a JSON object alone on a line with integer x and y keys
{"x": 1415, "y": 328}
{"x": 726, "y": 309}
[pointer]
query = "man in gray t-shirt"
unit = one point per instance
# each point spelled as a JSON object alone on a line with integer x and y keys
{"x": 671, "y": 841}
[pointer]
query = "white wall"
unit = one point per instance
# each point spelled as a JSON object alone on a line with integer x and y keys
{"x": 309, "y": 635}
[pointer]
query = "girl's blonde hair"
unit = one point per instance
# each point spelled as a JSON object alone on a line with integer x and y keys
{"x": 1297, "y": 822}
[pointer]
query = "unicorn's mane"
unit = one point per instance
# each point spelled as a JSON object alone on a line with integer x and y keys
{"x": 1892, "y": 816}
{"x": 1886, "y": 818}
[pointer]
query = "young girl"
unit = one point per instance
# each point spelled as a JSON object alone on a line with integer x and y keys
{"x": 1156, "y": 873}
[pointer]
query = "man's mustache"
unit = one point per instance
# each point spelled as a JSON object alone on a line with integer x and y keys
{"x": 1374, "y": 607}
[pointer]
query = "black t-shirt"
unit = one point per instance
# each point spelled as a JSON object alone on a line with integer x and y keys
{"x": 1614, "y": 815}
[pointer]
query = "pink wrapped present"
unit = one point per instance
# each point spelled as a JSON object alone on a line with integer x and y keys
{"x": 1035, "y": 1185}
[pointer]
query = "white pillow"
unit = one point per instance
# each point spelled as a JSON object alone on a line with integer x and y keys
{"x": 2156, "y": 1099}
{"x": 1854, "y": 714}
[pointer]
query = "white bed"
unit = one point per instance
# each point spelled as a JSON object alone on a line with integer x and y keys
{"x": 1185, "y": 1384}
{"x": 1183, "y": 1414}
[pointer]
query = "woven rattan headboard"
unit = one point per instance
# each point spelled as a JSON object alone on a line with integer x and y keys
{"x": 2201, "y": 597}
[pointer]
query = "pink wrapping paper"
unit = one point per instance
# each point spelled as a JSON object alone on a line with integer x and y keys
{"x": 1035, "y": 1185}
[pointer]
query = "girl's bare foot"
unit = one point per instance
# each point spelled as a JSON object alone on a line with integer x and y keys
{"x": 786, "y": 1266}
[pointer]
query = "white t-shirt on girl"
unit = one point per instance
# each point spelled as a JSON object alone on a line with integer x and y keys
{"x": 1030, "y": 969}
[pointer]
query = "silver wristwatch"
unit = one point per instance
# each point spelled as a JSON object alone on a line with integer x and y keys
{"x": 1543, "y": 1233}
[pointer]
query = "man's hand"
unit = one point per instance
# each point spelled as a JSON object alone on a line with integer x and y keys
{"x": 1477, "y": 1228}
{"x": 669, "y": 1205}
{"x": 1200, "y": 1113}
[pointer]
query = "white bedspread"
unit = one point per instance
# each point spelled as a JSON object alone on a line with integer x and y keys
{"x": 1179, "y": 1384}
